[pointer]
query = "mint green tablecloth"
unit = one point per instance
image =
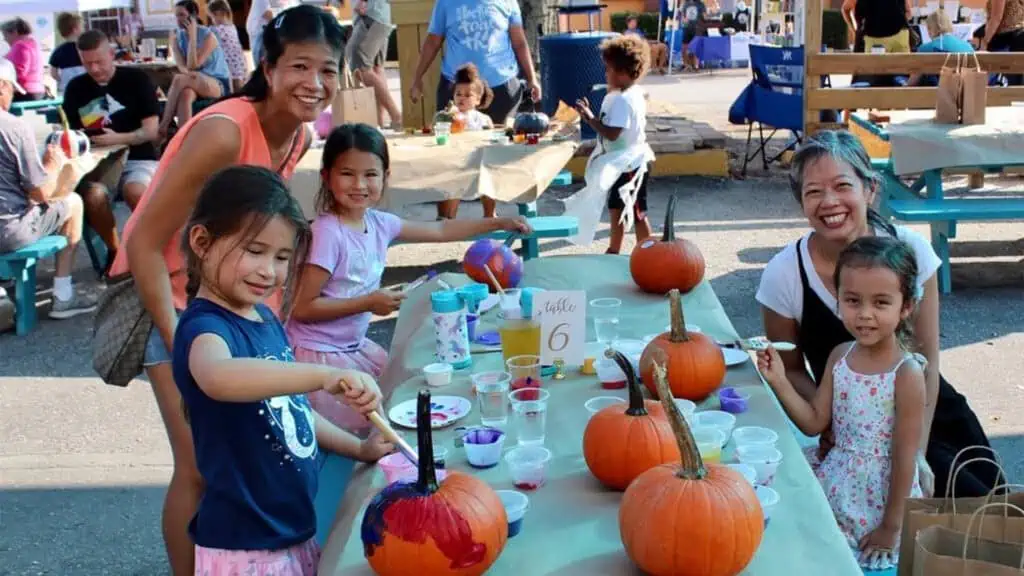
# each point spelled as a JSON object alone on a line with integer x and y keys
{"x": 572, "y": 524}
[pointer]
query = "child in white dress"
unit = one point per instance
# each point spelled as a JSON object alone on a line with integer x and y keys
{"x": 872, "y": 395}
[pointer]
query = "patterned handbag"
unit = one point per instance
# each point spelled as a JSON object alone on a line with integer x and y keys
{"x": 121, "y": 330}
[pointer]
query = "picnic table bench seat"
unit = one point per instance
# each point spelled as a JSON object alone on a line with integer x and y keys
{"x": 20, "y": 266}
{"x": 543, "y": 227}
{"x": 953, "y": 209}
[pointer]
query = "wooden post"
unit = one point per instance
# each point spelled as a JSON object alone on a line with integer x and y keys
{"x": 412, "y": 18}
{"x": 812, "y": 47}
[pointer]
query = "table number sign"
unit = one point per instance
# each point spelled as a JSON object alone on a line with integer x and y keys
{"x": 563, "y": 325}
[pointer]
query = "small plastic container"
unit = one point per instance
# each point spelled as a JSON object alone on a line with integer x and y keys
{"x": 716, "y": 419}
{"x": 733, "y": 400}
{"x": 598, "y": 403}
{"x": 748, "y": 472}
{"x": 483, "y": 446}
{"x": 528, "y": 465}
{"x": 398, "y": 468}
{"x": 438, "y": 374}
{"x": 471, "y": 320}
{"x": 609, "y": 374}
{"x": 516, "y": 504}
{"x": 769, "y": 499}
{"x": 709, "y": 443}
{"x": 632, "y": 349}
{"x": 687, "y": 408}
{"x": 764, "y": 459}
{"x": 754, "y": 436}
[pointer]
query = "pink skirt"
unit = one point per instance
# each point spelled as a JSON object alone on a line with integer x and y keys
{"x": 299, "y": 560}
{"x": 369, "y": 358}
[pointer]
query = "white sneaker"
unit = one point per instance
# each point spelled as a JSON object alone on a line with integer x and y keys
{"x": 80, "y": 303}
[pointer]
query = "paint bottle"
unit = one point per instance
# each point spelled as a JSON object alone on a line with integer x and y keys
{"x": 451, "y": 335}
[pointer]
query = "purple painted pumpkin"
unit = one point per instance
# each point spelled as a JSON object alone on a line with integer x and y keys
{"x": 506, "y": 265}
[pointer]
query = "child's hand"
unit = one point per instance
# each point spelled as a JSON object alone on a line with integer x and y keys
{"x": 517, "y": 224}
{"x": 583, "y": 107}
{"x": 374, "y": 448}
{"x": 357, "y": 389}
{"x": 769, "y": 363}
{"x": 876, "y": 547}
{"x": 384, "y": 302}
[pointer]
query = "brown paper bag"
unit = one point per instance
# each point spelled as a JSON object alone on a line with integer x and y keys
{"x": 354, "y": 103}
{"x": 941, "y": 551}
{"x": 1002, "y": 524}
{"x": 975, "y": 85}
{"x": 950, "y": 93}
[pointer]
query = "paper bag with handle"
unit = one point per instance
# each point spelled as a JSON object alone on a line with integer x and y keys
{"x": 950, "y": 92}
{"x": 941, "y": 551}
{"x": 354, "y": 102}
{"x": 954, "y": 513}
{"x": 974, "y": 82}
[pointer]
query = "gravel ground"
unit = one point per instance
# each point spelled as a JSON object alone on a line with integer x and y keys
{"x": 85, "y": 465}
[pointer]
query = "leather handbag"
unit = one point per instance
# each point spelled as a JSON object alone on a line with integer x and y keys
{"x": 120, "y": 332}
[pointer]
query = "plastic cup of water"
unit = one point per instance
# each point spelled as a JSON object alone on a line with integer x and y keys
{"x": 605, "y": 312}
{"x": 491, "y": 395}
{"x": 530, "y": 411}
{"x": 525, "y": 371}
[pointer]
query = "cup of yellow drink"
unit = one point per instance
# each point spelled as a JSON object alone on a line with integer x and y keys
{"x": 709, "y": 443}
{"x": 519, "y": 337}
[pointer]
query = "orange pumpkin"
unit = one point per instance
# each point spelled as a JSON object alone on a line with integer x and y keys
{"x": 456, "y": 527}
{"x": 696, "y": 366}
{"x": 619, "y": 445}
{"x": 658, "y": 266}
{"x": 719, "y": 523}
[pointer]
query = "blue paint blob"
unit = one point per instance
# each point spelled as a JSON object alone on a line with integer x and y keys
{"x": 515, "y": 527}
{"x": 372, "y": 530}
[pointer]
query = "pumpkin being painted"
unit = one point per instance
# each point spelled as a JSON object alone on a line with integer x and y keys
{"x": 504, "y": 263}
{"x": 531, "y": 123}
{"x": 619, "y": 445}
{"x": 455, "y": 527}
{"x": 713, "y": 520}
{"x": 695, "y": 363}
{"x": 658, "y": 266}
{"x": 73, "y": 142}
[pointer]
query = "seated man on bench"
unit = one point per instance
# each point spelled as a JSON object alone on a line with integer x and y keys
{"x": 115, "y": 106}
{"x": 36, "y": 199}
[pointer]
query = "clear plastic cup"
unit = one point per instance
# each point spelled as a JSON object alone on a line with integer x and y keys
{"x": 769, "y": 499}
{"x": 516, "y": 503}
{"x": 687, "y": 408}
{"x": 716, "y": 419}
{"x": 598, "y": 403}
{"x": 764, "y": 459}
{"x": 528, "y": 465}
{"x": 709, "y": 443}
{"x": 530, "y": 411}
{"x": 525, "y": 371}
{"x": 491, "y": 395}
{"x": 748, "y": 472}
{"x": 605, "y": 312}
{"x": 754, "y": 435}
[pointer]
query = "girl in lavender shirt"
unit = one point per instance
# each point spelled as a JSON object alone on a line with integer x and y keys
{"x": 340, "y": 288}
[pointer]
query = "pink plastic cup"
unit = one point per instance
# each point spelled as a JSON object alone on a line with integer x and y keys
{"x": 398, "y": 468}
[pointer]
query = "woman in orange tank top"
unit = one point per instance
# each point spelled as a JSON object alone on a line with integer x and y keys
{"x": 263, "y": 125}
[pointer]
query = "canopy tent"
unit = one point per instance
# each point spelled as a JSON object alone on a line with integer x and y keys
{"x": 10, "y": 8}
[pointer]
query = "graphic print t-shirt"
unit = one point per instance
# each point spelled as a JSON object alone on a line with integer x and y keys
{"x": 693, "y": 14}
{"x": 476, "y": 31}
{"x": 258, "y": 459}
{"x": 626, "y": 110}
{"x": 120, "y": 105}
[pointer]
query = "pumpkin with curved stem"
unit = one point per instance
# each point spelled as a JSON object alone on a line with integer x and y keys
{"x": 456, "y": 527}
{"x": 720, "y": 523}
{"x": 696, "y": 366}
{"x": 658, "y": 266}
{"x": 619, "y": 445}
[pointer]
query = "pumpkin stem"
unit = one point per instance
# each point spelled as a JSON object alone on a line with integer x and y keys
{"x": 692, "y": 464}
{"x": 636, "y": 396}
{"x": 427, "y": 481}
{"x": 675, "y": 306}
{"x": 669, "y": 233}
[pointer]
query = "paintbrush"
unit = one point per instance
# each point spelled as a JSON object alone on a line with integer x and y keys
{"x": 494, "y": 280}
{"x": 385, "y": 428}
{"x": 759, "y": 343}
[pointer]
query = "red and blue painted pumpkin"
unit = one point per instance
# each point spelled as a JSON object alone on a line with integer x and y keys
{"x": 72, "y": 142}
{"x": 457, "y": 526}
{"x": 506, "y": 265}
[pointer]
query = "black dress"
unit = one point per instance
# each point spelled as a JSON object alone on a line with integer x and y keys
{"x": 954, "y": 426}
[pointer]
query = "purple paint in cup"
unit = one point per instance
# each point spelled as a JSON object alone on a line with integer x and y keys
{"x": 483, "y": 446}
{"x": 471, "y": 326}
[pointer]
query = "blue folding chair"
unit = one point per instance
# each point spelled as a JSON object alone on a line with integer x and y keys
{"x": 774, "y": 98}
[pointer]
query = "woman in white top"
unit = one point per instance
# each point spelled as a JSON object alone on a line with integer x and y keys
{"x": 833, "y": 181}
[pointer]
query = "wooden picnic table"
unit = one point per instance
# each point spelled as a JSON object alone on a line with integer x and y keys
{"x": 919, "y": 146}
{"x": 571, "y": 526}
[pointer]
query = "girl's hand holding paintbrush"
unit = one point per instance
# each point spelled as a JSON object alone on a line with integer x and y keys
{"x": 357, "y": 389}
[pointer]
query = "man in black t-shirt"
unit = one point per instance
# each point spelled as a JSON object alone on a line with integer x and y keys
{"x": 114, "y": 105}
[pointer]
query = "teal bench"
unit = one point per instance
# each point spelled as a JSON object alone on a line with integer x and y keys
{"x": 21, "y": 266}
{"x": 543, "y": 227}
{"x": 48, "y": 108}
{"x": 923, "y": 201}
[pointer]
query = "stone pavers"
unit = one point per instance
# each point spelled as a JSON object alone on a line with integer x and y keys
{"x": 670, "y": 133}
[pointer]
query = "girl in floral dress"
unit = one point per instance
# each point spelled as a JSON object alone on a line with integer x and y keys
{"x": 224, "y": 29}
{"x": 872, "y": 396}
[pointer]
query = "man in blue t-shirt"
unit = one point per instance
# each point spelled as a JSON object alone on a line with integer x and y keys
{"x": 488, "y": 34}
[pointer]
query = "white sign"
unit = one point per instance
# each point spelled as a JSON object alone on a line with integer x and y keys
{"x": 563, "y": 325}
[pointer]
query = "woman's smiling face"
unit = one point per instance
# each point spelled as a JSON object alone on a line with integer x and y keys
{"x": 835, "y": 199}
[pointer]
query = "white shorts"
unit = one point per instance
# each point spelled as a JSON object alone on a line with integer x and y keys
{"x": 138, "y": 172}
